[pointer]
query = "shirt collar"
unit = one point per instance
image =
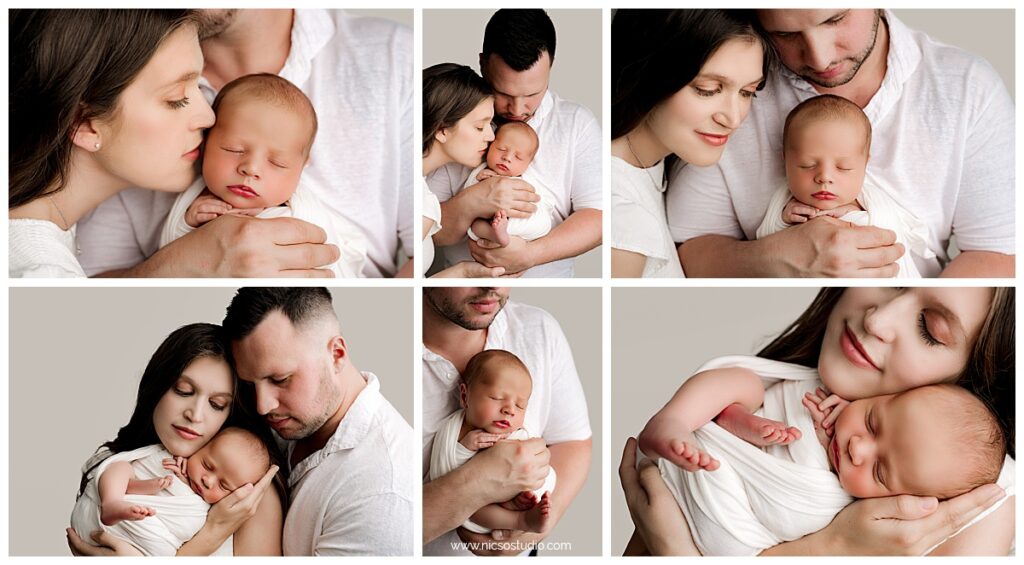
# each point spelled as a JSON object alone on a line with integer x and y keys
{"x": 546, "y": 104}
{"x": 311, "y": 30}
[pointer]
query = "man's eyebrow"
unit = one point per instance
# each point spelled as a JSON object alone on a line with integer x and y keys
{"x": 838, "y": 14}
{"x": 514, "y": 96}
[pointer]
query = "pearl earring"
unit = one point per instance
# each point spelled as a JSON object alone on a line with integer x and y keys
{"x": 97, "y": 146}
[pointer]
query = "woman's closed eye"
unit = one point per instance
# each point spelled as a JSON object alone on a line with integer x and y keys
{"x": 219, "y": 407}
{"x": 707, "y": 92}
{"x": 178, "y": 104}
{"x": 926, "y": 334}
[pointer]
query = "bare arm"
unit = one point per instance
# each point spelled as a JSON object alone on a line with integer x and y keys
{"x": 822, "y": 247}
{"x": 980, "y": 264}
{"x": 235, "y": 246}
{"x": 627, "y": 264}
{"x": 579, "y": 233}
{"x": 261, "y": 534}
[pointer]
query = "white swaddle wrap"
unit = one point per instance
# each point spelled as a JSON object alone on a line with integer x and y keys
{"x": 759, "y": 498}
{"x": 180, "y": 513}
{"x": 303, "y": 205}
{"x": 880, "y": 210}
{"x": 448, "y": 454}
{"x": 537, "y": 225}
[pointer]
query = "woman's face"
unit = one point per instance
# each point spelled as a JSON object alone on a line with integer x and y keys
{"x": 887, "y": 340}
{"x": 466, "y": 141}
{"x": 192, "y": 411}
{"x": 695, "y": 122}
{"x": 152, "y": 139}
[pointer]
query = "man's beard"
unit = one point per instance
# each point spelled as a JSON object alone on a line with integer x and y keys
{"x": 809, "y": 76}
{"x": 213, "y": 22}
{"x": 455, "y": 313}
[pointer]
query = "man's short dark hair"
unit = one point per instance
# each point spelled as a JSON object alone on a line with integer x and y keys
{"x": 251, "y": 305}
{"x": 519, "y": 37}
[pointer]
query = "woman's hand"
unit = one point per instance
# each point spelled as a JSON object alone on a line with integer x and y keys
{"x": 107, "y": 545}
{"x": 903, "y": 525}
{"x": 655, "y": 513}
{"x": 233, "y": 510}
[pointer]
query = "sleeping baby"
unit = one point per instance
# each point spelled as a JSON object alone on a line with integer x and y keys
{"x": 129, "y": 494}
{"x": 494, "y": 392}
{"x": 730, "y": 468}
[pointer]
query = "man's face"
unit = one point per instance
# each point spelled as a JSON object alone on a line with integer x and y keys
{"x": 825, "y": 47}
{"x": 214, "y": 22}
{"x": 472, "y": 308}
{"x": 517, "y": 94}
{"x": 292, "y": 371}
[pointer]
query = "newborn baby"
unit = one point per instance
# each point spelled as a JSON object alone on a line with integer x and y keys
{"x": 509, "y": 155}
{"x": 494, "y": 392}
{"x": 232, "y": 459}
{"x": 253, "y": 158}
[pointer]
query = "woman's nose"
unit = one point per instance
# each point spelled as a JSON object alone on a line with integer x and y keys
{"x": 879, "y": 320}
{"x": 204, "y": 116}
{"x": 729, "y": 115}
{"x": 194, "y": 413}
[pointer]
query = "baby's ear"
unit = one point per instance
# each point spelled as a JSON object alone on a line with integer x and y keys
{"x": 462, "y": 395}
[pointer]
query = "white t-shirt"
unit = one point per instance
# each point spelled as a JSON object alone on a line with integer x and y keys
{"x": 569, "y": 158}
{"x": 557, "y": 410}
{"x": 40, "y": 249}
{"x": 356, "y": 495}
{"x": 431, "y": 211}
{"x": 638, "y": 217}
{"x": 357, "y": 71}
{"x": 943, "y": 139}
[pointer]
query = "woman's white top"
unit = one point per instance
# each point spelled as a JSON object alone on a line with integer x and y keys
{"x": 41, "y": 249}
{"x": 431, "y": 211}
{"x": 639, "y": 223}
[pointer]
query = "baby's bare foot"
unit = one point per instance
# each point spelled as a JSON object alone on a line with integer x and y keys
{"x": 755, "y": 429}
{"x": 114, "y": 512}
{"x": 148, "y": 486}
{"x": 523, "y": 501}
{"x": 500, "y": 225}
{"x": 538, "y": 518}
{"x": 681, "y": 450}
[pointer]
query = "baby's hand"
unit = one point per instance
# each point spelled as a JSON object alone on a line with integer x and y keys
{"x": 796, "y": 212}
{"x": 204, "y": 208}
{"x": 479, "y": 439}
{"x": 178, "y": 466}
{"x": 841, "y": 211}
{"x": 824, "y": 408}
{"x": 485, "y": 174}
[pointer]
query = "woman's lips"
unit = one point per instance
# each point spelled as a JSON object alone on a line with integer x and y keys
{"x": 243, "y": 191}
{"x": 186, "y": 433}
{"x": 713, "y": 139}
{"x": 192, "y": 155}
{"x": 854, "y": 350}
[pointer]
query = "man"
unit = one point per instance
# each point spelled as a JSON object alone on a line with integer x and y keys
{"x": 518, "y": 52}
{"x": 457, "y": 324}
{"x": 357, "y": 72}
{"x": 350, "y": 453}
{"x": 943, "y": 145}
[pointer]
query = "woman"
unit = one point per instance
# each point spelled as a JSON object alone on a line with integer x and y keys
{"x": 187, "y": 394}
{"x": 101, "y": 100}
{"x": 457, "y": 110}
{"x": 919, "y": 341}
{"x": 682, "y": 81}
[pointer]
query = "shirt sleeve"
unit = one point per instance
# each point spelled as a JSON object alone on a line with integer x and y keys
{"x": 983, "y": 219}
{"x": 587, "y": 165}
{"x": 406, "y": 190}
{"x": 698, "y": 203}
{"x": 634, "y": 228}
{"x": 123, "y": 230}
{"x": 358, "y": 525}
{"x": 568, "y": 418}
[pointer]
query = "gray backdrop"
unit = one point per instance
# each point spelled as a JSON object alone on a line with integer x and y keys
{"x": 76, "y": 358}
{"x": 578, "y": 311}
{"x": 456, "y": 36}
{"x": 660, "y": 335}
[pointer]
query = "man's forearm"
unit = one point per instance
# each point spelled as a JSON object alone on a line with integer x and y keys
{"x": 579, "y": 233}
{"x": 724, "y": 256}
{"x": 448, "y": 501}
{"x": 985, "y": 264}
{"x": 571, "y": 460}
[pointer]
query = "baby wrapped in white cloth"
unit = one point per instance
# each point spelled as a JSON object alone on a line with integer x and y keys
{"x": 540, "y": 222}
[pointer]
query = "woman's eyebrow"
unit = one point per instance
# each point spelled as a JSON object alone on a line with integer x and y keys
{"x": 187, "y": 77}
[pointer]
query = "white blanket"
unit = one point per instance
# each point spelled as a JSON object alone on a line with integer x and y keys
{"x": 180, "y": 513}
{"x": 448, "y": 454}
{"x": 303, "y": 205}
{"x": 537, "y": 225}
{"x": 880, "y": 210}
{"x": 759, "y": 498}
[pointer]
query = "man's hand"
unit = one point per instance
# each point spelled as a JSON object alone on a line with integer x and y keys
{"x": 515, "y": 196}
{"x": 510, "y": 467}
{"x": 796, "y": 212}
{"x": 476, "y": 440}
{"x": 515, "y": 257}
{"x": 826, "y": 247}
{"x": 233, "y": 246}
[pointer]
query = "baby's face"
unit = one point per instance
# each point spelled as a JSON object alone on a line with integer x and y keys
{"x": 825, "y": 162}
{"x": 496, "y": 403}
{"x": 511, "y": 152}
{"x": 893, "y": 444}
{"x": 221, "y": 466}
{"x": 255, "y": 153}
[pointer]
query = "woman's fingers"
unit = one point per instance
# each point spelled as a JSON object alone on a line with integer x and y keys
{"x": 628, "y": 476}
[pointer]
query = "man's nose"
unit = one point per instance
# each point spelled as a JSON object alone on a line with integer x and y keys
{"x": 266, "y": 399}
{"x": 819, "y": 50}
{"x": 519, "y": 107}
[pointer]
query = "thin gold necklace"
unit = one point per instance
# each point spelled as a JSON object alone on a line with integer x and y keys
{"x": 657, "y": 185}
{"x": 66, "y": 225}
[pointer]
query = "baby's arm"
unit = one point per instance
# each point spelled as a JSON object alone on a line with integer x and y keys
{"x": 699, "y": 400}
{"x": 497, "y": 517}
{"x": 796, "y": 212}
{"x": 478, "y": 439}
{"x": 118, "y": 480}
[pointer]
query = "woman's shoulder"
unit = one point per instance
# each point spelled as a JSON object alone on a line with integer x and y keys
{"x": 41, "y": 249}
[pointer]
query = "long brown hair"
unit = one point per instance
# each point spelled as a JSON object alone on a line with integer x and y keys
{"x": 450, "y": 91}
{"x": 67, "y": 67}
{"x": 989, "y": 372}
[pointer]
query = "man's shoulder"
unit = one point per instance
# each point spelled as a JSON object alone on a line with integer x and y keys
{"x": 370, "y": 31}
{"x": 568, "y": 109}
